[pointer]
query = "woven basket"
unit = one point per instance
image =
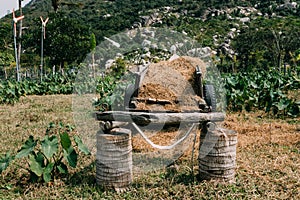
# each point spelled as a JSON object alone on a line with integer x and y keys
{"x": 217, "y": 155}
{"x": 114, "y": 159}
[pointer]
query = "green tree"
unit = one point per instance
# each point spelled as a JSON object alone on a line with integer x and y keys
{"x": 6, "y": 49}
{"x": 268, "y": 42}
{"x": 6, "y": 59}
{"x": 280, "y": 42}
{"x": 68, "y": 40}
{"x": 56, "y": 4}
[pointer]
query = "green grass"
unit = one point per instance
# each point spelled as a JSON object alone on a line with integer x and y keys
{"x": 267, "y": 161}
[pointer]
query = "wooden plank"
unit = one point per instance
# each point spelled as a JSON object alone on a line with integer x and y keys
{"x": 139, "y": 76}
{"x": 153, "y": 100}
{"x": 109, "y": 125}
{"x": 144, "y": 118}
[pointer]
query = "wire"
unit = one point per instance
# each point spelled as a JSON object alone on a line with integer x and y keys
{"x": 159, "y": 146}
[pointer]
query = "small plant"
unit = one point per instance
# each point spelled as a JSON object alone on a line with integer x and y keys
{"x": 5, "y": 161}
{"x": 111, "y": 87}
{"x": 51, "y": 156}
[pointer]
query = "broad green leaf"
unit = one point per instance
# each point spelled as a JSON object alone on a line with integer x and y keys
{"x": 35, "y": 166}
{"x": 62, "y": 168}
{"x": 254, "y": 85}
{"x": 27, "y": 147}
{"x": 70, "y": 127}
{"x": 49, "y": 146}
{"x": 10, "y": 84}
{"x": 71, "y": 156}
{"x": 282, "y": 104}
{"x": 33, "y": 177}
{"x": 5, "y": 161}
{"x": 61, "y": 125}
{"x": 47, "y": 172}
{"x": 65, "y": 140}
{"x": 81, "y": 146}
{"x": 39, "y": 157}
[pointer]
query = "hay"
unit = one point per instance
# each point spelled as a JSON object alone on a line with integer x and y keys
{"x": 172, "y": 81}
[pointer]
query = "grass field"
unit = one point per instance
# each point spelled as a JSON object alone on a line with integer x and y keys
{"x": 268, "y": 160}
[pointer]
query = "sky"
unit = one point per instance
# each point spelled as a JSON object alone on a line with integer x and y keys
{"x": 8, "y": 5}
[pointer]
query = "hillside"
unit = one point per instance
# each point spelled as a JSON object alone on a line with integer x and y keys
{"x": 218, "y": 25}
{"x": 108, "y": 17}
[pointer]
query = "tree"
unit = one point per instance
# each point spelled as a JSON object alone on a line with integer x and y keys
{"x": 268, "y": 42}
{"x": 280, "y": 42}
{"x": 6, "y": 59}
{"x": 68, "y": 40}
{"x": 6, "y": 50}
{"x": 56, "y": 4}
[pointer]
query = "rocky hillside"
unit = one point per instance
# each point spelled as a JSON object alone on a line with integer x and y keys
{"x": 219, "y": 26}
{"x": 107, "y": 17}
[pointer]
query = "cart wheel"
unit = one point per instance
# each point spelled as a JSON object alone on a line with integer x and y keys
{"x": 210, "y": 97}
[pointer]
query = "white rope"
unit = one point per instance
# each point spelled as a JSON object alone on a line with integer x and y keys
{"x": 159, "y": 146}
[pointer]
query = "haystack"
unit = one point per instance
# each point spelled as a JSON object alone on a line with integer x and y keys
{"x": 170, "y": 85}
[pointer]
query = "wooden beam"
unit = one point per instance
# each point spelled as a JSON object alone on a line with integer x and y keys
{"x": 109, "y": 125}
{"x": 144, "y": 118}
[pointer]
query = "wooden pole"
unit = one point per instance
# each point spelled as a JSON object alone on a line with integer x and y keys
{"x": 144, "y": 118}
{"x": 20, "y": 39}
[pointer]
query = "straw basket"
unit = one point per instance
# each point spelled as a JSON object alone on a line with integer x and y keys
{"x": 217, "y": 154}
{"x": 114, "y": 159}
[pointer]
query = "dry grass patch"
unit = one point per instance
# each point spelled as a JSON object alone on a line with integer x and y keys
{"x": 31, "y": 116}
{"x": 268, "y": 157}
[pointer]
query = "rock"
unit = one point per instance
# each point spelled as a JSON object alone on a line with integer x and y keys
{"x": 245, "y": 19}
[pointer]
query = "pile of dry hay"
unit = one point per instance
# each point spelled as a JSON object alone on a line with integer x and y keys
{"x": 170, "y": 85}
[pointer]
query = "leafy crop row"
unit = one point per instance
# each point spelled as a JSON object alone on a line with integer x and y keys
{"x": 269, "y": 90}
{"x": 11, "y": 90}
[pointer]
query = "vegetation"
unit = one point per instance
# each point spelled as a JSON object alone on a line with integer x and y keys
{"x": 267, "y": 160}
{"x": 268, "y": 43}
{"x": 268, "y": 90}
{"x": 12, "y": 90}
{"x": 47, "y": 157}
{"x": 70, "y": 28}
{"x": 265, "y": 90}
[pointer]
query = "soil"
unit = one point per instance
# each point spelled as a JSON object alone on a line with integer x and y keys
{"x": 173, "y": 82}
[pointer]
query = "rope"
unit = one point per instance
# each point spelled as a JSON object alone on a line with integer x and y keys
{"x": 159, "y": 146}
